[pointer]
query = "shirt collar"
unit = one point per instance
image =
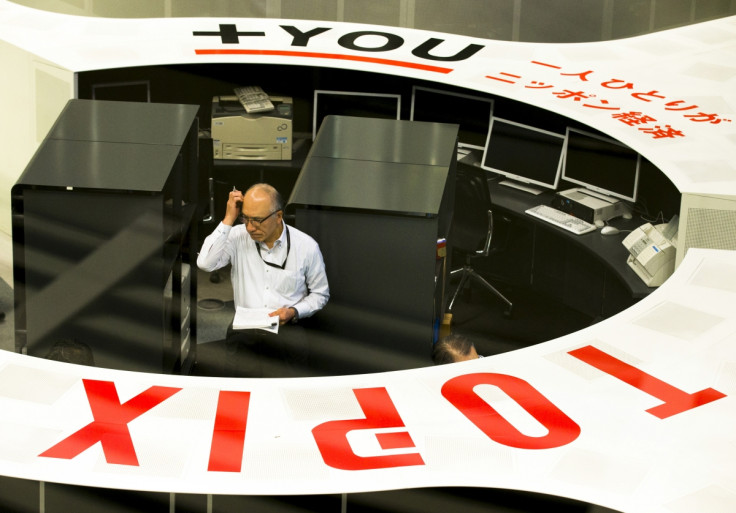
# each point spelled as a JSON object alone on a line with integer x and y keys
{"x": 278, "y": 242}
{"x": 282, "y": 237}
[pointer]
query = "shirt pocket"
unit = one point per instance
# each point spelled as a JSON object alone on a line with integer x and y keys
{"x": 289, "y": 282}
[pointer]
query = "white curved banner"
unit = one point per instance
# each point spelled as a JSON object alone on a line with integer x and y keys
{"x": 635, "y": 413}
{"x": 670, "y": 95}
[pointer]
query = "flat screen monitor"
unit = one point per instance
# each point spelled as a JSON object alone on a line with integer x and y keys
{"x": 601, "y": 164}
{"x": 472, "y": 113}
{"x": 524, "y": 154}
{"x": 350, "y": 103}
{"x": 134, "y": 91}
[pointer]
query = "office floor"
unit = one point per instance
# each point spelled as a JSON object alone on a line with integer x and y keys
{"x": 535, "y": 319}
{"x": 476, "y": 314}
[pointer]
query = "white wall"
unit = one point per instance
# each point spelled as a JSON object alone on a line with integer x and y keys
{"x": 32, "y": 94}
{"x": 550, "y": 21}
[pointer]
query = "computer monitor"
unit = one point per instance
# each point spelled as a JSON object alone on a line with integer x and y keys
{"x": 351, "y": 103}
{"x": 133, "y": 91}
{"x": 601, "y": 164}
{"x": 472, "y": 113}
{"x": 524, "y": 154}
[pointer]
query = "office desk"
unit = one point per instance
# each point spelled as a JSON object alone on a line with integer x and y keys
{"x": 587, "y": 272}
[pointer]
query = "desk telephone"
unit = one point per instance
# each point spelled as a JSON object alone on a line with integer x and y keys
{"x": 653, "y": 249}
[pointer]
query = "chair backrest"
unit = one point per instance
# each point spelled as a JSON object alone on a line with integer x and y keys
{"x": 471, "y": 228}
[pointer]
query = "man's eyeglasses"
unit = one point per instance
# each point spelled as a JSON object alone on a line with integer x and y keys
{"x": 255, "y": 221}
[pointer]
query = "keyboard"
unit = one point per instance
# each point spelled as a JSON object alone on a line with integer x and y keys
{"x": 563, "y": 220}
{"x": 253, "y": 99}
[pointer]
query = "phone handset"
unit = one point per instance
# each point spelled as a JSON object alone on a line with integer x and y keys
{"x": 651, "y": 254}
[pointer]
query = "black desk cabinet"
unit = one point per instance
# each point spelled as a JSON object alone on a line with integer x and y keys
{"x": 566, "y": 271}
{"x": 104, "y": 237}
{"x": 376, "y": 194}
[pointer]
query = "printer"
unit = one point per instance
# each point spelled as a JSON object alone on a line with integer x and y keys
{"x": 238, "y": 135}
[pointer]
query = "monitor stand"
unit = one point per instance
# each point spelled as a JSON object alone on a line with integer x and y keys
{"x": 521, "y": 186}
{"x": 469, "y": 156}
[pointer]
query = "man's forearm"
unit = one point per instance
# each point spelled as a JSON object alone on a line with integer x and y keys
{"x": 311, "y": 304}
{"x": 212, "y": 255}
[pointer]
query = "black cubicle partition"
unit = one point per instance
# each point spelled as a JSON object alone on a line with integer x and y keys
{"x": 377, "y": 195}
{"x": 103, "y": 236}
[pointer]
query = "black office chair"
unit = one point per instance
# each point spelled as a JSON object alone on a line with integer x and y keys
{"x": 472, "y": 229}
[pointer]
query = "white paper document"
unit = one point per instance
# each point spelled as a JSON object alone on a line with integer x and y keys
{"x": 250, "y": 318}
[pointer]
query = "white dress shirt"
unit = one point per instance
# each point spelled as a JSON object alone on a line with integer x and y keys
{"x": 302, "y": 283}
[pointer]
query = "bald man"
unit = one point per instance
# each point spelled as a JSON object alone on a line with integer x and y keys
{"x": 273, "y": 266}
{"x": 453, "y": 348}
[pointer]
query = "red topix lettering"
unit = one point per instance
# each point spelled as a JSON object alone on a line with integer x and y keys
{"x": 228, "y": 436}
{"x": 675, "y": 400}
{"x": 110, "y": 425}
{"x": 561, "y": 429}
{"x": 380, "y": 412}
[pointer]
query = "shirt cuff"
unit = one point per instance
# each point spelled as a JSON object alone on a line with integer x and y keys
{"x": 224, "y": 228}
